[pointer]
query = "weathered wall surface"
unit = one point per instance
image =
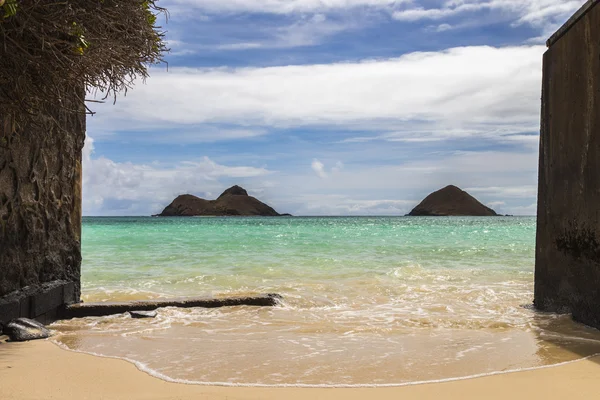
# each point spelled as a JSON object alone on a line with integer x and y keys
{"x": 40, "y": 203}
{"x": 567, "y": 271}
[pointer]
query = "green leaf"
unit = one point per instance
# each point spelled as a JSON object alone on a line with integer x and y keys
{"x": 10, "y": 8}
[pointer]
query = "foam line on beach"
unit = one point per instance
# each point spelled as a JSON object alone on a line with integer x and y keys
{"x": 144, "y": 368}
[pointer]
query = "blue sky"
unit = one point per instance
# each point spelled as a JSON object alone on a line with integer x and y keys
{"x": 330, "y": 107}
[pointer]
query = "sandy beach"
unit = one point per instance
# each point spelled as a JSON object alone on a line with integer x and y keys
{"x": 419, "y": 216}
{"x": 41, "y": 370}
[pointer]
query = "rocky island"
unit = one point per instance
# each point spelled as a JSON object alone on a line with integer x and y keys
{"x": 451, "y": 201}
{"x": 235, "y": 201}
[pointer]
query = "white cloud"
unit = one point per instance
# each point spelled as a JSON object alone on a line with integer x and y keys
{"x": 277, "y": 6}
{"x": 504, "y": 134}
{"x": 531, "y": 141}
{"x": 525, "y": 11}
{"x": 347, "y": 205}
{"x": 415, "y": 14}
{"x": 443, "y": 27}
{"x": 102, "y": 127}
{"x": 546, "y": 15}
{"x": 372, "y": 188}
{"x": 306, "y": 31}
{"x": 179, "y": 48}
{"x": 365, "y": 188}
{"x": 526, "y": 191}
{"x": 453, "y": 90}
{"x": 534, "y": 12}
{"x": 412, "y": 179}
{"x": 239, "y": 46}
{"x": 312, "y": 23}
{"x": 468, "y": 92}
{"x": 140, "y": 189}
{"x": 338, "y": 167}
{"x": 539, "y": 12}
{"x": 319, "y": 168}
{"x": 530, "y": 210}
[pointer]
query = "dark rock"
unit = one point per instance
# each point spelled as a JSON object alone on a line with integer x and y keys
{"x": 23, "y": 329}
{"x": 109, "y": 308}
{"x": 234, "y": 191}
{"x": 143, "y": 314}
{"x": 276, "y": 298}
{"x": 232, "y": 202}
{"x": 451, "y": 201}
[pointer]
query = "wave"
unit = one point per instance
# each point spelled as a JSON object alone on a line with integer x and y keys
{"x": 145, "y": 368}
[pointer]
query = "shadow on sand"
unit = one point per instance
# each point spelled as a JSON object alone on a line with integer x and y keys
{"x": 559, "y": 335}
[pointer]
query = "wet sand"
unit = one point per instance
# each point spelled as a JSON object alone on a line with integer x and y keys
{"x": 41, "y": 370}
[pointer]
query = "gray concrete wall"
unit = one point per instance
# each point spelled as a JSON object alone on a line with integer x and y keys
{"x": 40, "y": 212}
{"x": 567, "y": 270}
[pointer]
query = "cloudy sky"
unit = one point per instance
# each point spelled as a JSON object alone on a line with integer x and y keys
{"x": 330, "y": 107}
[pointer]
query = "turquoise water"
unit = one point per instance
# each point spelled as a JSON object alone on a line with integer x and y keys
{"x": 191, "y": 256}
{"x": 367, "y": 300}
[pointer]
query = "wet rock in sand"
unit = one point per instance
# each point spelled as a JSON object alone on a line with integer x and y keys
{"x": 23, "y": 329}
{"x": 143, "y": 314}
{"x": 277, "y": 298}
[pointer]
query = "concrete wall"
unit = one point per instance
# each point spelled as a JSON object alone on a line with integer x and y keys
{"x": 40, "y": 213}
{"x": 567, "y": 271}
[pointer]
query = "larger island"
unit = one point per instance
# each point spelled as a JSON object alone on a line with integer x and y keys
{"x": 235, "y": 201}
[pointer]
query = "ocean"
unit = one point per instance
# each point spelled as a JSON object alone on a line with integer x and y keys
{"x": 367, "y": 301}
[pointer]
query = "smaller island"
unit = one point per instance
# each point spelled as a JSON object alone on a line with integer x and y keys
{"x": 451, "y": 201}
{"x": 235, "y": 201}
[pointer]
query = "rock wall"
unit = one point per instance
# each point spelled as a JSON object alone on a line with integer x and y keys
{"x": 567, "y": 270}
{"x": 40, "y": 204}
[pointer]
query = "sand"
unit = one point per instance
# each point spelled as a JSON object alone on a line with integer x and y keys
{"x": 41, "y": 370}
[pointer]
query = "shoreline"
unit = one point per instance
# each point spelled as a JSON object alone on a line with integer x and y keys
{"x": 42, "y": 369}
{"x": 146, "y": 370}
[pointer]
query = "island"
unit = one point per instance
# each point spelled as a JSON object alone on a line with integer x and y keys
{"x": 451, "y": 201}
{"x": 235, "y": 201}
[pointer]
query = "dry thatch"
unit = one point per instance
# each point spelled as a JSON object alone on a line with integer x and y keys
{"x": 51, "y": 49}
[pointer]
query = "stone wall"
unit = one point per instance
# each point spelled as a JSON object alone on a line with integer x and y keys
{"x": 567, "y": 271}
{"x": 40, "y": 209}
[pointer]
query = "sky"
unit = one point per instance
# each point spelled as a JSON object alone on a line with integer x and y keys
{"x": 330, "y": 107}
